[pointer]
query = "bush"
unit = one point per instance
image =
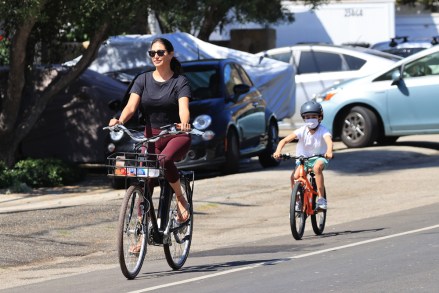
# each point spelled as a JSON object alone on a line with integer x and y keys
{"x": 40, "y": 173}
{"x": 5, "y": 176}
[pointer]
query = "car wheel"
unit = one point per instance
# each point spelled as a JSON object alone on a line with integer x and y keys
{"x": 266, "y": 159}
{"x": 360, "y": 128}
{"x": 232, "y": 153}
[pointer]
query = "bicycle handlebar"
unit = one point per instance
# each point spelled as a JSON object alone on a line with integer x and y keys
{"x": 170, "y": 129}
{"x": 288, "y": 156}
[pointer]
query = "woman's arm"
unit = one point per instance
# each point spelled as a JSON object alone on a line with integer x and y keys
{"x": 128, "y": 111}
{"x": 183, "y": 112}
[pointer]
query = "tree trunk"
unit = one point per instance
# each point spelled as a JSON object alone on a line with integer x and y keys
{"x": 13, "y": 131}
{"x": 212, "y": 17}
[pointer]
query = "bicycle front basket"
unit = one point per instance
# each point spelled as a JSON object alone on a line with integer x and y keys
{"x": 135, "y": 165}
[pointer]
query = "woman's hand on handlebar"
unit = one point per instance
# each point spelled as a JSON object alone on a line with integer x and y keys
{"x": 114, "y": 121}
{"x": 186, "y": 127}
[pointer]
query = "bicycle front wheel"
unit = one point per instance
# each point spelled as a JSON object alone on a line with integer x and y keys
{"x": 318, "y": 220}
{"x": 131, "y": 232}
{"x": 297, "y": 215}
{"x": 179, "y": 242}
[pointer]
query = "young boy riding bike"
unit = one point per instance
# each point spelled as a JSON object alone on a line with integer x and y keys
{"x": 313, "y": 139}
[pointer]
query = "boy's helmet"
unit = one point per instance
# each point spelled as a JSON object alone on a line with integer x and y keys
{"x": 311, "y": 107}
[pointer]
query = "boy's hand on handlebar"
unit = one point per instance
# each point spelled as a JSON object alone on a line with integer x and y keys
{"x": 276, "y": 155}
{"x": 329, "y": 155}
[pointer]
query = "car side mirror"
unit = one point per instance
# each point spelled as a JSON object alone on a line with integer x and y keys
{"x": 396, "y": 76}
{"x": 240, "y": 89}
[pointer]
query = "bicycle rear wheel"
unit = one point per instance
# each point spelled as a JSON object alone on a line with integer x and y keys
{"x": 131, "y": 232}
{"x": 297, "y": 217}
{"x": 318, "y": 220}
{"x": 178, "y": 245}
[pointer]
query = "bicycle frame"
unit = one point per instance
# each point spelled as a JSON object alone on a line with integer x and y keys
{"x": 309, "y": 189}
{"x": 163, "y": 211}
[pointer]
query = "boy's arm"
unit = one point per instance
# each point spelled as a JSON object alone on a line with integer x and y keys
{"x": 282, "y": 143}
{"x": 329, "y": 145}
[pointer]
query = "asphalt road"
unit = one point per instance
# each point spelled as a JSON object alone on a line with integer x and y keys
{"x": 64, "y": 238}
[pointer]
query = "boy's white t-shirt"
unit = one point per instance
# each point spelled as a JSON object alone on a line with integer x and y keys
{"x": 311, "y": 144}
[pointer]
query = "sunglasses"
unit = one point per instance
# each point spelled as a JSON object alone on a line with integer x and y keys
{"x": 159, "y": 52}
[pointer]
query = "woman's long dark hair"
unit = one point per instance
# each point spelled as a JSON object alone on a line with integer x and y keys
{"x": 175, "y": 64}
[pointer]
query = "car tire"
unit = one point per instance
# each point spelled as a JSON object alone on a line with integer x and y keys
{"x": 232, "y": 153}
{"x": 359, "y": 128}
{"x": 266, "y": 159}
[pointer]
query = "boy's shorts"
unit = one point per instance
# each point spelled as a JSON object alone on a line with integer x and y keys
{"x": 309, "y": 165}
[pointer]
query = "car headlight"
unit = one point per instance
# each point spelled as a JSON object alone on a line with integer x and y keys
{"x": 325, "y": 96}
{"x": 116, "y": 135}
{"x": 202, "y": 122}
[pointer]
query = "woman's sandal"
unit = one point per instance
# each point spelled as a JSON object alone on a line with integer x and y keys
{"x": 182, "y": 217}
{"x": 135, "y": 248}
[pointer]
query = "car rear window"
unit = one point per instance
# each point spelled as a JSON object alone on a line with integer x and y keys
{"x": 354, "y": 63}
{"x": 315, "y": 62}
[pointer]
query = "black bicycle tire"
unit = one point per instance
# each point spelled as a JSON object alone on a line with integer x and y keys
{"x": 121, "y": 248}
{"x": 297, "y": 231}
{"x": 318, "y": 228}
{"x": 176, "y": 265}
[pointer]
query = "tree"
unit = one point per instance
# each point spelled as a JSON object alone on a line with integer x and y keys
{"x": 46, "y": 24}
{"x": 27, "y": 23}
{"x": 202, "y": 21}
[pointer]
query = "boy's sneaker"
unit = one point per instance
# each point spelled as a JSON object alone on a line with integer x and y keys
{"x": 298, "y": 207}
{"x": 321, "y": 203}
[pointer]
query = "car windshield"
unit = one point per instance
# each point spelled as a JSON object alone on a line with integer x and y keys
{"x": 204, "y": 82}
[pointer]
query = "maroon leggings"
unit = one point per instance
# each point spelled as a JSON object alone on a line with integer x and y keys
{"x": 173, "y": 147}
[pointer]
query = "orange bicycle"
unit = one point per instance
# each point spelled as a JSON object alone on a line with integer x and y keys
{"x": 303, "y": 200}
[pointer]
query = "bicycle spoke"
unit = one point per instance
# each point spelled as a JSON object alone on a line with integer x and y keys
{"x": 131, "y": 237}
{"x": 180, "y": 238}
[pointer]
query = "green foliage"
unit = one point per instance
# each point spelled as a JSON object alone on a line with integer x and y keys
{"x": 5, "y": 44}
{"x": 39, "y": 173}
{"x": 5, "y": 176}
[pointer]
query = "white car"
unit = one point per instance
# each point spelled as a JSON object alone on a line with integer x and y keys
{"x": 319, "y": 66}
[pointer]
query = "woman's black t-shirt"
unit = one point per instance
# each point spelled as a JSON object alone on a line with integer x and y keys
{"x": 159, "y": 100}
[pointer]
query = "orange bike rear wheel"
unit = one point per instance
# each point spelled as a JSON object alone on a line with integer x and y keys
{"x": 318, "y": 220}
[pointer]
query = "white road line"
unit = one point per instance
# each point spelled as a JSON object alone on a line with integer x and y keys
{"x": 292, "y": 257}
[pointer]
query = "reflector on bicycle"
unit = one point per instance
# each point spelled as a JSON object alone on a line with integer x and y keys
{"x": 135, "y": 165}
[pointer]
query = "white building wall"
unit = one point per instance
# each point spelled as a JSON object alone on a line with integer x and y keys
{"x": 346, "y": 21}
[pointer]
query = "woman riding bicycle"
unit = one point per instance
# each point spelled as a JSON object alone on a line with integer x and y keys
{"x": 313, "y": 139}
{"x": 163, "y": 96}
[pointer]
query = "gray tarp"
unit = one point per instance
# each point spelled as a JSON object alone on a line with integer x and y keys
{"x": 274, "y": 79}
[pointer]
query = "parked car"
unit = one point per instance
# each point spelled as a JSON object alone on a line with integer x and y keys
{"x": 396, "y": 101}
{"x": 70, "y": 127}
{"x": 403, "y": 46}
{"x": 319, "y": 66}
{"x": 230, "y": 111}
